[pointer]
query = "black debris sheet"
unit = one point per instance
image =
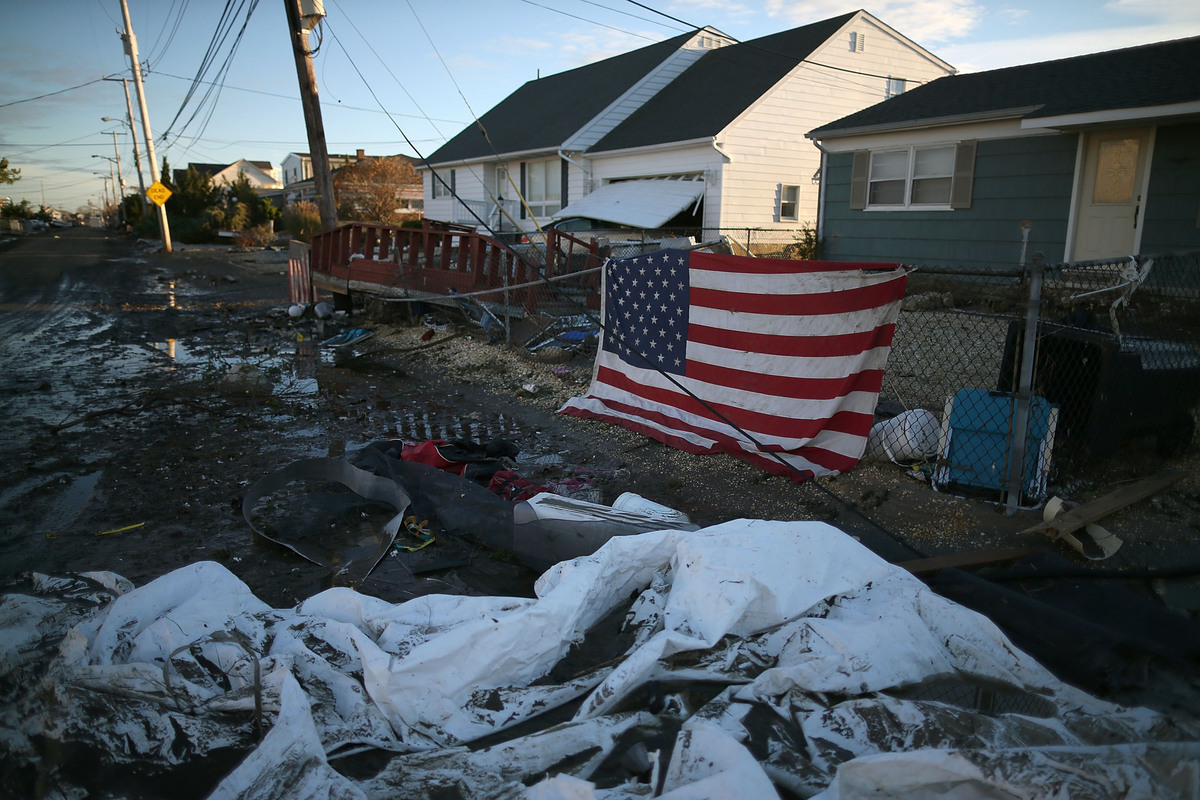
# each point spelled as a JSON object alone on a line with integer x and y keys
{"x": 748, "y": 659}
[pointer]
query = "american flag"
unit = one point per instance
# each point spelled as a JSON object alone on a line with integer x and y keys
{"x": 776, "y": 362}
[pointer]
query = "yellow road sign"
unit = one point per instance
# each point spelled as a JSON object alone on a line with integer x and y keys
{"x": 158, "y": 193}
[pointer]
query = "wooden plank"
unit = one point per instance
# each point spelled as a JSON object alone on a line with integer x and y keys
{"x": 1086, "y": 514}
{"x": 978, "y": 558}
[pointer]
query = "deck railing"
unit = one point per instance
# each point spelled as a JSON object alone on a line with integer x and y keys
{"x": 442, "y": 258}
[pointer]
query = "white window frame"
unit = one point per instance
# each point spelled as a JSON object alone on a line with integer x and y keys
{"x": 895, "y": 86}
{"x": 909, "y": 176}
{"x": 784, "y": 216}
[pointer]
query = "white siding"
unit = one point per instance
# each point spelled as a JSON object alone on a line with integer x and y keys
{"x": 767, "y": 143}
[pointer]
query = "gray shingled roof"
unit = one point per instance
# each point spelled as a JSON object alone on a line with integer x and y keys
{"x": 1149, "y": 75}
{"x": 716, "y": 89}
{"x": 544, "y": 113}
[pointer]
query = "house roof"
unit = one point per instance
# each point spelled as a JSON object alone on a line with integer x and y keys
{"x": 1159, "y": 74}
{"x": 711, "y": 94}
{"x": 544, "y": 113}
{"x": 213, "y": 169}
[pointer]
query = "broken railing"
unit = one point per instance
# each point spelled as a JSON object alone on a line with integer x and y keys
{"x": 441, "y": 259}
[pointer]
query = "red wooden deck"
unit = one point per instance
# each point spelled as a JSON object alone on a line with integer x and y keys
{"x": 437, "y": 258}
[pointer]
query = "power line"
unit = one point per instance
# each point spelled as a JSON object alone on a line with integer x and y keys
{"x": 49, "y": 94}
{"x": 589, "y": 21}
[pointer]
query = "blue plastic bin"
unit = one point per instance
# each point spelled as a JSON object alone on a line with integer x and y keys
{"x": 977, "y": 442}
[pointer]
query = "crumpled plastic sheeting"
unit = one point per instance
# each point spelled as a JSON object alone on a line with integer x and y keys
{"x": 764, "y": 654}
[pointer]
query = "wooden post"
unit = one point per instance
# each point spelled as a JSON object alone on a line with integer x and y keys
{"x": 318, "y": 152}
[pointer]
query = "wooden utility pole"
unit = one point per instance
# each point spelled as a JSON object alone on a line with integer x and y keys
{"x": 317, "y": 151}
{"x": 131, "y": 48}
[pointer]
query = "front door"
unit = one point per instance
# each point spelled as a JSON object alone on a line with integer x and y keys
{"x": 1111, "y": 195}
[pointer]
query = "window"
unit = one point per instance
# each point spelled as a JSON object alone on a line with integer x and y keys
{"x": 857, "y": 41}
{"x": 542, "y": 185}
{"x": 919, "y": 176}
{"x": 895, "y": 86}
{"x": 789, "y": 203}
{"x": 443, "y": 183}
{"x": 939, "y": 176}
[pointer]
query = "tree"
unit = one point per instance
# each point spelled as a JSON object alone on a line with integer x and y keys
{"x": 8, "y": 174}
{"x": 370, "y": 190}
{"x": 195, "y": 193}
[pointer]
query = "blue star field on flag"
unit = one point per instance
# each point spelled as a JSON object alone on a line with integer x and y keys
{"x": 646, "y": 310}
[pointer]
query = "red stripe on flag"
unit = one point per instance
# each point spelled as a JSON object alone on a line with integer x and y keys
{"x": 780, "y": 427}
{"x": 799, "y": 304}
{"x": 716, "y": 262}
{"x": 846, "y": 344}
{"x": 826, "y": 459}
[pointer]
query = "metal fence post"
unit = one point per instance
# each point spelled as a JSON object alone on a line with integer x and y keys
{"x": 1020, "y": 426}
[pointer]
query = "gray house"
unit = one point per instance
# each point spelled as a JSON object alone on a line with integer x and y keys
{"x": 1090, "y": 158}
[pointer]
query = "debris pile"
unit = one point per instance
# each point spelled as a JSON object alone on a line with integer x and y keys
{"x": 747, "y": 659}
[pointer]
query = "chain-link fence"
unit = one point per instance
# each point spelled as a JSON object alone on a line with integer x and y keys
{"x": 1114, "y": 356}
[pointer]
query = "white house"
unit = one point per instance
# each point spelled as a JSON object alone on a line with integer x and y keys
{"x": 261, "y": 174}
{"x": 297, "y": 167}
{"x": 697, "y": 131}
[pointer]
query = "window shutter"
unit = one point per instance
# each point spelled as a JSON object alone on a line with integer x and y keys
{"x": 964, "y": 175}
{"x": 858, "y": 180}
{"x": 523, "y": 191}
{"x": 778, "y": 202}
{"x": 564, "y": 177}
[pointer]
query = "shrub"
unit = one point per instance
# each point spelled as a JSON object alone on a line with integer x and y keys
{"x": 302, "y": 219}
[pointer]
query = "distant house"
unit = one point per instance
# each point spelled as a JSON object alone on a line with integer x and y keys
{"x": 1099, "y": 156}
{"x": 297, "y": 167}
{"x": 698, "y": 130}
{"x": 261, "y": 174}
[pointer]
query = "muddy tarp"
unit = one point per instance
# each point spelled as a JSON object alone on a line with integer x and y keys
{"x": 747, "y": 659}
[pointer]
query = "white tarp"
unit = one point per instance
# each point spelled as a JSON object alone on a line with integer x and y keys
{"x": 770, "y": 654}
{"x": 645, "y": 203}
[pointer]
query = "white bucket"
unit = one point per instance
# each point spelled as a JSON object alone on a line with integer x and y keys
{"x": 636, "y": 504}
{"x": 910, "y": 436}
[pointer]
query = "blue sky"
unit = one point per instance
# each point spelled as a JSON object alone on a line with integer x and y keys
{"x": 431, "y": 64}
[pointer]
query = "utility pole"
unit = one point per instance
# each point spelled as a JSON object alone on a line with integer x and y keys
{"x": 137, "y": 153}
{"x": 322, "y": 175}
{"x": 131, "y": 48}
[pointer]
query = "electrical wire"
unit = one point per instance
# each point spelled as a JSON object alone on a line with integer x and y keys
{"x": 208, "y": 101}
{"x": 49, "y": 94}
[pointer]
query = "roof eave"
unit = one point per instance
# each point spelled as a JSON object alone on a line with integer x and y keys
{"x": 650, "y": 148}
{"x": 927, "y": 122}
{"x": 1188, "y": 108}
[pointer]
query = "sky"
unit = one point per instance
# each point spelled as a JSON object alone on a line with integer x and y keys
{"x": 403, "y": 76}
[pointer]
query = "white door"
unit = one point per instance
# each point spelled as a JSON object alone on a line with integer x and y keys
{"x": 1111, "y": 195}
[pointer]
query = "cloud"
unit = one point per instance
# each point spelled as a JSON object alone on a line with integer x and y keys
{"x": 924, "y": 21}
{"x": 979, "y": 56}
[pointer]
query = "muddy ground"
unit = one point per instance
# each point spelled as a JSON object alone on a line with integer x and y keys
{"x": 143, "y": 392}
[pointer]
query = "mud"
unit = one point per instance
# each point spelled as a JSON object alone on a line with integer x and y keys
{"x": 142, "y": 393}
